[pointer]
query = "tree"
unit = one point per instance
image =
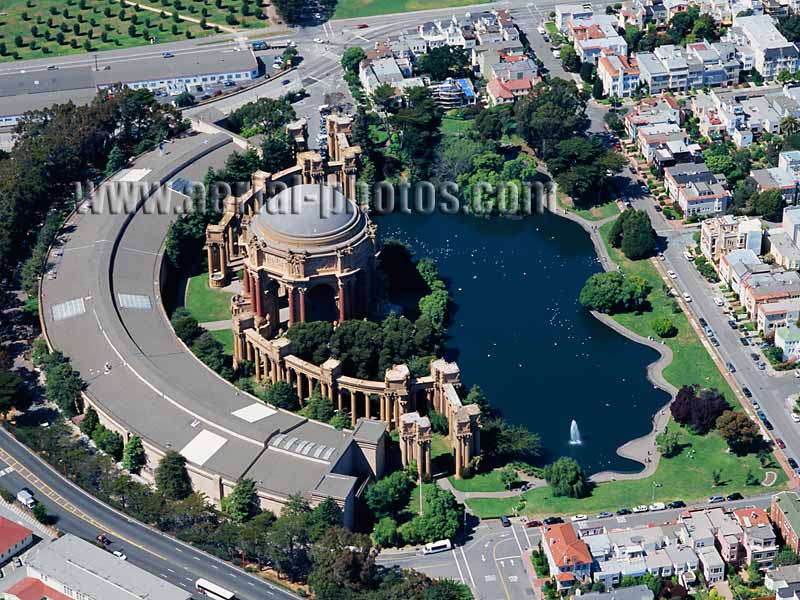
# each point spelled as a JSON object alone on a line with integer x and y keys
{"x": 554, "y": 111}
{"x": 587, "y": 72}
{"x": 790, "y": 125}
{"x": 698, "y": 409}
{"x": 278, "y": 152}
{"x": 664, "y": 327}
{"x": 508, "y": 476}
{"x": 417, "y": 125}
{"x": 184, "y": 99}
{"x": 108, "y": 441}
{"x": 565, "y": 477}
{"x": 477, "y": 396}
{"x": 611, "y": 292}
{"x": 210, "y": 350}
{"x": 90, "y": 422}
{"x": 491, "y": 123}
{"x": 242, "y": 503}
{"x": 185, "y": 325}
{"x": 785, "y": 557}
{"x": 116, "y": 161}
{"x": 598, "y": 90}
{"x": 288, "y": 539}
{"x": 11, "y": 393}
{"x": 64, "y": 385}
{"x": 319, "y": 408}
{"x": 344, "y": 567}
{"x": 440, "y": 519}
{"x": 282, "y": 395}
{"x": 264, "y": 115}
{"x": 387, "y": 496}
{"x": 503, "y": 442}
{"x": 768, "y": 204}
{"x": 569, "y": 59}
{"x": 443, "y": 61}
{"x": 384, "y": 97}
{"x": 172, "y": 478}
{"x": 668, "y": 443}
{"x": 385, "y": 533}
{"x": 323, "y": 517}
{"x": 310, "y": 340}
{"x": 739, "y": 431}
{"x": 351, "y": 58}
{"x": 357, "y": 344}
{"x": 638, "y": 236}
{"x": 134, "y": 457}
{"x": 39, "y": 511}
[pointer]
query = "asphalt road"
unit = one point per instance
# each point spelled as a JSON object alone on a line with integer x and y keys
{"x": 82, "y": 515}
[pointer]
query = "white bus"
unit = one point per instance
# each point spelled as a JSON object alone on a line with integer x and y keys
{"x": 212, "y": 590}
{"x": 440, "y": 546}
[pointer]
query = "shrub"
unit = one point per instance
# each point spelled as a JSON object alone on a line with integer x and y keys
{"x": 664, "y": 328}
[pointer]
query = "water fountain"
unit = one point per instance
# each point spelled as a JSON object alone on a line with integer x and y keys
{"x": 574, "y": 434}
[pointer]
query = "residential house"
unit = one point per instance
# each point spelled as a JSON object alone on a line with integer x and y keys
{"x": 651, "y": 137}
{"x": 375, "y": 72}
{"x": 453, "y": 93}
{"x": 595, "y": 35}
{"x": 696, "y": 189}
{"x": 620, "y": 75}
{"x": 777, "y": 314}
{"x": 761, "y": 288}
{"x": 568, "y": 557}
{"x": 505, "y": 92}
{"x": 785, "y": 177}
{"x": 700, "y": 64}
{"x": 781, "y": 577}
{"x": 759, "y": 542}
{"x": 784, "y": 511}
{"x": 772, "y": 52}
{"x": 712, "y": 563}
{"x": 714, "y": 529}
{"x": 653, "y": 110}
{"x": 635, "y": 592}
{"x": 721, "y": 235}
{"x": 565, "y": 13}
{"x": 788, "y": 340}
{"x": 14, "y": 539}
{"x": 737, "y": 264}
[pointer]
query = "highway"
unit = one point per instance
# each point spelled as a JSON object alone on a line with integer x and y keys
{"x": 82, "y": 515}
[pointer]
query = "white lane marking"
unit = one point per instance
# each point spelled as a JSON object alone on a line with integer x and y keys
{"x": 514, "y": 531}
{"x": 458, "y": 566}
{"x": 466, "y": 564}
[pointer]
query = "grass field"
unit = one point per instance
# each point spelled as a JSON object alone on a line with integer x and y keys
{"x": 452, "y": 126}
{"x": 351, "y": 9}
{"x": 225, "y": 337}
{"x": 687, "y": 476}
{"x": 204, "y": 303}
{"x": 482, "y": 482}
{"x": 595, "y": 213}
{"x": 42, "y": 28}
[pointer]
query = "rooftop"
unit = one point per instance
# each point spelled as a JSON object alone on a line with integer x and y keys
{"x": 11, "y": 534}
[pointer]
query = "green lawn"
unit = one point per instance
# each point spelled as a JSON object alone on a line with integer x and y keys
{"x": 439, "y": 445}
{"x": 206, "y": 304}
{"x": 691, "y": 362}
{"x": 225, "y": 336}
{"x": 482, "y": 482}
{"x": 452, "y": 126}
{"x": 595, "y": 213}
{"x": 107, "y": 25}
{"x": 686, "y": 477}
{"x": 351, "y": 9}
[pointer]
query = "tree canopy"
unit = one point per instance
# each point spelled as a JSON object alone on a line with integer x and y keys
{"x": 698, "y": 409}
{"x": 565, "y": 477}
{"x": 612, "y": 292}
{"x": 552, "y": 112}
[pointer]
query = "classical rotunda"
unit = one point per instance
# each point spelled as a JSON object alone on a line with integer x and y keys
{"x": 307, "y": 252}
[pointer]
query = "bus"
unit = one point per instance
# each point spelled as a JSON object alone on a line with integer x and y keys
{"x": 212, "y": 590}
{"x": 440, "y": 546}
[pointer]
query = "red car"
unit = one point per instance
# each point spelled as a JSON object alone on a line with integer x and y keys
{"x": 362, "y": 26}
{"x": 780, "y": 443}
{"x": 533, "y": 523}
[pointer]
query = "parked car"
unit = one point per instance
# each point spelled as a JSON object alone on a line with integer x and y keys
{"x": 755, "y": 404}
{"x": 792, "y": 462}
{"x": 731, "y": 368}
{"x": 744, "y": 341}
{"x": 703, "y": 322}
{"x": 719, "y": 301}
{"x": 167, "y": 55}
{"x": 533, "y": 523}
{"x": 552, "y": 520}
{"x": 103, "y": 540}
{"x": 734, "y": 496}
{"x": 640, "y": 509}
{"x": 362, "y": 26}
{"x": 676, "y": 504}
{"x": 761, "y": 366}
{"x": 733, "y": 324}
{"x": 578, "y": 518}
{"x": 656, "y": 506}
{"x": 714, "y": 342}
{"x": 768, "y": 425}
{"x": 795, "y": 417}
{"x": 624, "y": 511}
{"x": 604, "y": 515}
{"x": 754, "y": 356}
{"x": 747, "y": 393}
{"x": 781, "y": 444}
{"x": 716, "y": 499}
{"x": 120, "y": 555}
{"x": 672, "y": 274}
{"x": 761, "y": 415}
{"x": 505, "y": 521}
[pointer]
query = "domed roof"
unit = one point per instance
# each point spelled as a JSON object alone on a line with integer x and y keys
{"x": 306, "y": 213}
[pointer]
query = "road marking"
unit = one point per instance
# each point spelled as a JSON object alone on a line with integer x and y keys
{"x": 527, "y": 539}
{"x": 466, "y": 564}
{"x": 514, "y": 531}
{"x": 511, "y": 558}
{"x": 513, "y": 579}
{"x": 65, "y": 504}
{"x": 6, "y": 471}
{"x": 490, "y": 578}
{"x": 458, "y": 566}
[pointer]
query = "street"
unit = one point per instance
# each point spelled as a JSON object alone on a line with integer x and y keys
{"x": 82, "y": 515}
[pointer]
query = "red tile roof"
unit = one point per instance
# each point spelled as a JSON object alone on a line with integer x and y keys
{"x": 565, "y": 577}
{"x": 33, "y": 589}
{"x": 565, "y": 547}
{"x": 755, "y": 517}
{"x": 11, "y": 534}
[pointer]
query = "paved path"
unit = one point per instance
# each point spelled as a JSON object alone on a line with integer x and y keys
{"x": 216, "y": 325}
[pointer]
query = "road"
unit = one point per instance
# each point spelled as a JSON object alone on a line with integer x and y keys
{"x": 82, "y": 515}
{"x": 770, "y": 389}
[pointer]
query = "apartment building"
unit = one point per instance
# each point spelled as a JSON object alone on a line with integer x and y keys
{"x": 772, "y": 52}
{"x": 654, "y": 110}
{"x": 700, "y": 64}
{"x": 696, "y": 189}
{"x": 722, "y": 235}
{"x": 568, "y": 557}
{"x": 784, "y": 510}
{"x": 565, "y": 13}
{"x": 763, "y": 288}
{"x": 777, "y": 314}
{"x": 651, "y": 137}
{"x": 592, "y": 36}
{"x": 785, "y": 177}
{"x": 759, "y": 541}
{"x": 736, "y": 265}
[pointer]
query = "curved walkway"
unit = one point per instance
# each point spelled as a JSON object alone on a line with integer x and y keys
{"x": 643, "y": 449}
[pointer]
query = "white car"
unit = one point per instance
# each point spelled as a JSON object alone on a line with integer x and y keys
{"x": 556, "y": 53}
{"x": 719, "y": 301}
{"x": 657, "y": 506}
{"x": 797, "y": 373}
{"x": 120, "y": 555}
{"x": 687, "y": 297}
{"x": 640, "y": 509}
{"x": 795, "y": 417}
{"x": 672, "y": 274}
{"x": 578, "y": 518}
{"x": 319, "y": 41}
{"x": 661, "y": 256}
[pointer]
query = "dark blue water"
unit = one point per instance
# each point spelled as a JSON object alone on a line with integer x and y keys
{"x": 519, "y": 332}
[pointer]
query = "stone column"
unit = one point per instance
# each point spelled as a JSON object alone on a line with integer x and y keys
{"x": 258, "y": 363}
{"x": 367, "y": 411}
{"x": 290, "y": 292}
{"x": 342, "y": 303}
{"x": 302, "y": 294}
{"x": 458, "y": 458}
{"x": 428, "y": 459}
{"x": 338, "y": 394}
{"x": 353, "y": 407}
{"x": 259, "y": 301}
{"x": 246, "y": 282}
{"x": 249, "y": 349}
{"x": 210, "y": 252}
{"x": 274, "y": 373}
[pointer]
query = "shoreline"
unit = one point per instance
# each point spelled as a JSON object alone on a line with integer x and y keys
{"x": 641, "y": 449}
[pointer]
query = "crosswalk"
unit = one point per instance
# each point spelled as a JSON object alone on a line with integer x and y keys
{"x": 6, "y": 471}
